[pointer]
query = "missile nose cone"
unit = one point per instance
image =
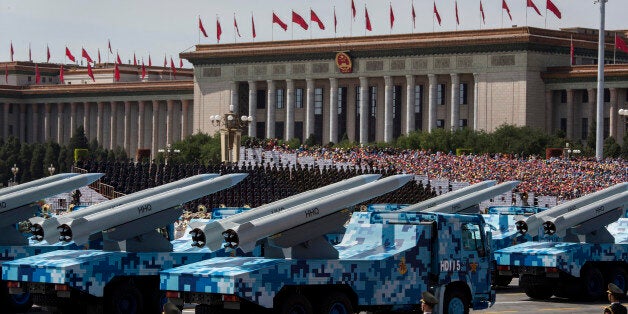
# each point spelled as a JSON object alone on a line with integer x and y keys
{"x": 549, "y": 228}
{"x": 521, "y": 226}
{"x": 65, "y": 233}
{"x": 93, "y": 176}
{"x": 38, "y": 232}
{"x": 237, "y": 177}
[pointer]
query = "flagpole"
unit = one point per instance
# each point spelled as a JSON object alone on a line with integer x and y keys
{"x": 335, "y": 34}
{"x": 310, "y": 23}
{"x": 526, "y": 8}
{"x": 252, "y": 25}
{"x": 199, "y": 29}
{"x": 272, "y": 29}
{"x": 365, "y": 18}
{"x": 351, "y": 24}
{"x": 391, "y": 25}
{"x": 614, "y": 48}
{"x": 433, "y": 13}
{"x": 545, "y": 16}
{"x": 234, "y": 33}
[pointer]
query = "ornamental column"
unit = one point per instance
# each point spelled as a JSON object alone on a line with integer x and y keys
{"x": 253, "y": 108}
{"x": 309, "y": 108}
{"x": 127, "y": 127}
{"x": 46, "y": 122}
{"x": 455, "y": 102}
{"x": 431, "y": 124}
{"x": 476, "y": 99}
{"x": 60, "y": 138}
{"x": 270, "y": 110}
{"x": 113, "y": 126}
{"x": 388, "y": 109}
{"x": 570, "y": 114}
{"x": 289, "y": 109}
{"x": 234, "y": 97}
{"x": 155, "y": 128}
{"x": 185, "y": 121}
{"x": 35, "y": 119}
{"x": 592, "y": 104}
{"x": 72, "y": 118}
{"x": 86, "y": 125}
{"x": 410, "y": 103}
{"x": 169, "y": 120}
{"x": 141, "y": 124}
{"x": 5, "y": 126}
{"x": 364, "y": 113}
{"x": 549, "y": 108}
{"x": 333, "y": 110}
{"x": 23, "y": 122}
{"x": 99, "y": 123}
{"x": 613, "y": 114}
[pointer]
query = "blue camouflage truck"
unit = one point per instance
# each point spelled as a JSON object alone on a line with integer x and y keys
{"x": 384, "y": 262}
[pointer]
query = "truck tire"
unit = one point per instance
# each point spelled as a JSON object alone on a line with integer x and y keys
{"x": 593, "y": 284}
{"x": 535, "y": 287}
{"x": 295, "y": 303}
{"x": 455, "y": 302}
{"x": 502, "y": 281}
{"x": 335, "y": 303}
{"x": 15, "y": 303}
{"x": 126, "y": 299}
{"x": 619, "y": 277}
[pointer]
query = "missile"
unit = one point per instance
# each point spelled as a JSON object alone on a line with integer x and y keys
{"x": 446, "y": 197}
{"x": 38, "y": 182}
{"x": 46, "y": 229}
{"x": 460, "y": 204}
{"x": 532, "y": 223}
{"x": 612, "y": 207}
{"x": 247, "y": 234}
{"x": 30, "y": 195}
{"x": 79, "y": 230}
{"x": 211, "y": 234}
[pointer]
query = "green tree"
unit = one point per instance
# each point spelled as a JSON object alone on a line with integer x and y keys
{"x": 611, "y": 148}
{"x": 37, "y": 162}
{"x": 24, "y": 160}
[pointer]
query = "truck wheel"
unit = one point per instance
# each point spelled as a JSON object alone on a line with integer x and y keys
{"x": 455, "y": 302}
{"x": 502, "y": 281}
{"x": 295, "y": 304}
{"x": 540, "y": 292}
{"x": 336, "y": 303}
{"x": 592, "y": 282}
{"x": 14, "y": 302}
{"x": 126, "y": 299}
{"x": 619, "y": 276}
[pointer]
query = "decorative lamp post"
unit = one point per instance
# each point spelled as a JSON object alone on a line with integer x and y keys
{"x": 15, "y": 170}
{"x": 230, "y": 133}
{"x": 51, "y": 169}
{"x": 168, "y": 151}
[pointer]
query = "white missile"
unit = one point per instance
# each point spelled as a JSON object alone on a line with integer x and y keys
{"x": 46, "y": 229}
{"x": 79, "y": 230}
{"x": 211, "y": 234}
{"x": 30, "y": 195}
{"x": 247, "y": 234}
{"x": 612, "y": 207}
{"x": 532, "y": 224}
{"x": 38, "y": 182}
{"x": 446, "y": 197}
{"x": 460, "y": 204}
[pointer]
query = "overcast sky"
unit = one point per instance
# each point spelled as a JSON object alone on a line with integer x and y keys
{"x": 165, "y": 28}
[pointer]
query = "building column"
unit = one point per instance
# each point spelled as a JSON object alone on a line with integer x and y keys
{"x": 364, "y": 110}
{"x": 5, "y": 126}
{"x": 309, "y": 108}
{"x": 73, "y": 118}
{"x": 592, "y": 104}
{"x": 455, "y": 102}
{"x": 549, "y": 108}
{"x": 86, "y": 125}
{"x": 476, "y": 100}
{"x": 155, "y": 128}
{"x": 613, "y": 114}
{"x": 270, "y": 109}
{"x": 47, "y": 122}
{"x": 388, "y": 109}
{"x": 127, "y": 127}
{"x": 99, "y": 124}
{"x": 410, "y": 104}
{"x": 570, "y": 114}
{"x": 169, "y": 120}
{"x": 333, "y": 110}
{"x": 141, "y": 123}
{"x": 60, "y": 128}
{"x": 234, "y": 97}
{"x": 185, "y": 121}
{"x": 113, "y": 125}
{"x": 253, "y": 108}
{"x": 35, "y": 119}
{"x": 289, "y": 109}
{"x": 23, "y": 122}
{"x": 433, "y": 87}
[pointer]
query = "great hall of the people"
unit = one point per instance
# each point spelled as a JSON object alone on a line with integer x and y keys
{"x": 368, "y": 88}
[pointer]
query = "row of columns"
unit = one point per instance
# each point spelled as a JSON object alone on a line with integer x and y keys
{"x": 363, "y": 106}
{"x": 129, "y": 141}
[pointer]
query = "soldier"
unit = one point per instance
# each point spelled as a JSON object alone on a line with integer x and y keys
{"x": 428, "y": 302}
{"x": 614, "y": 295}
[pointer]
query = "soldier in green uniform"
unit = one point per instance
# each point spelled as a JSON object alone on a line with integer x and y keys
{"x": 428, "y": 302}
{"x": 614, "y": 295}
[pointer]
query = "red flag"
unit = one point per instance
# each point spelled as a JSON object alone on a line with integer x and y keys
{"x": 218, "y": 30}
{"x": 253, "y": 26}
{"x": 143, "y": 70}
{"x": 505, "y": 7}
{"x": 134, "y": 60}
{"x": 335, "y": 21}
{"x": 116, "y": 72}
{"x": 572, "y": 52}
{"x": 109, "y": 45}
{"x": 37, "y": 74}
{"x": 368, "y": 20}
{"x": 118, "y": 61}
{"x": 392, "y": 17}
{"x": 315, "y": 18}
{"x": 620, "y": 44}
{"x": 235, "y": 25}
{"x": 180, "y": 63}
{"x": 482, "y": 11}
{"x": 150, "y": 62}
{"x": 89, "y": 72}
{"x": 353, "y": 11}
{"x": 200, "y": 26}
{"x": 551, "y": 7}
{"x": 174, "y": 70}
{"x": 296, "y": 18}
{"x": 85, "y": 55}
{"x": 30, "y": 58}
{"x": 279, "y": 22}
{"x": 413, "y": 16}
{"x": 457, "y": 19}
{"x": 98, "y": 55}
{"x": 69, "y": 55}
{"x": 532, "y": 5}
{"x": 11, "y": 51}
{"x": 61, "y": 79}
{"x": 165, "y": 61}
{"x": 47, "y": 53}
{"x": 436, "y": 13}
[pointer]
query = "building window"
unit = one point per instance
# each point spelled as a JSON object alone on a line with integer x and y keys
{"x": 440, "y": 94}
{"x": 279, "y": 99}
{"x": 584, "y": 128}
{"x": 440, "y": 123}
{"x": 585, "y": 96}
{"x": 463, "y": 123}
{"x": 464, "y": 89}
{"x": 373, "y": 100}
{"x": 418, "y": 98}
{"x": 607, "y": 95}
{"x": 261, "y": 99}
{"x": 298, "y": 101}
{"x": 318, "y": 101}
{"x": 563, "y": 96}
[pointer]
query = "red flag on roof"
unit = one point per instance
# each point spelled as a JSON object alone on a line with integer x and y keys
{"x": 180, "y": 63}
{"x": 143, "y": 70}
{"x": 278, "y": 21}
{"x": 47, "y": 53}
{"x": 505, "y": 7}
{"x": 553, "y": 8}
{"x": 150, "y": 62}
{"x": 482, "y": 11}
{"x": 37, "y": 74}
{"x": 98, "y": 55}
{"x": 85, "y": 55}
{"x": 368, "y": 20}
{"x": 235, "y": 25}
{"x": 314, "y": 18}
{"x": 253, "y": 26}
{"x": 30, "y": 58}
{"x": 11, "y": 51}
{"x": 457, "y": 18}
{"x": 532, "y": 5}
{"x": 621, "y": 44}
{"x": 392, "y": 17}
{"x": 134, "y": 60}
{"x": 90, "y": 73}
{"x": 172, "y": 67}
{"x": 413, "y": 16}
{"x": 218, "y": 30}
{"x": 335, "y": 21}
{"x": 436, "y": 13}
{"x": 109, "y": 45}
{"x": 69, "y": 55}
{"x": 296, "y": 18}
{"x": 201, "y": 28}
{"x": 165, "y": 61}
{"x": 61, "y": 79}
{"x": 353, "y": 11}
{"x": 118, "y": 61}
{"x": 116, "y": 72}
